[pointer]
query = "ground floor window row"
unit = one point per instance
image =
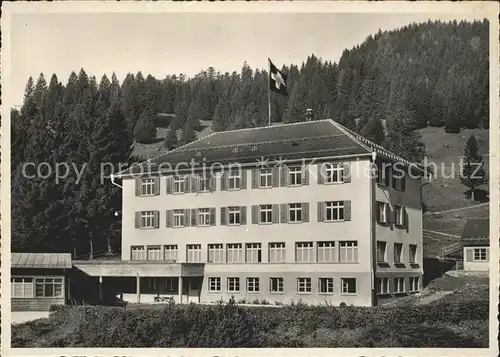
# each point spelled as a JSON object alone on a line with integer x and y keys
{"x": 399, "y": 285}
{"x": 31, "y": 287}
{"x": 304, "y": 252}
{"x": 306, "y": 285}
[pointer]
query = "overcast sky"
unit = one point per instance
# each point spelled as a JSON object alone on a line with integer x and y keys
{"x": 168, "y": 43}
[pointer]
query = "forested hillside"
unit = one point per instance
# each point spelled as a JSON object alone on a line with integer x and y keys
{"x": 432, "y": 74}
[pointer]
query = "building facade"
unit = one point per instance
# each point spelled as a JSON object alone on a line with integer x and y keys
{"x": 476, "y": 245}
{"x": 308, "y": 211}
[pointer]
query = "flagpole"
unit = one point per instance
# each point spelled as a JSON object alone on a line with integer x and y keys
{"x": 269, "y": 92}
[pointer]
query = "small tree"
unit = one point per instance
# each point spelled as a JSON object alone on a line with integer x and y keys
{"x": 473, "y": 172}
{"x": 170, "y": 139}
{"x": 145, "y": 129}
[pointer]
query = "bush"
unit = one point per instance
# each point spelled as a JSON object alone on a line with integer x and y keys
{"x": 228, "y": 325}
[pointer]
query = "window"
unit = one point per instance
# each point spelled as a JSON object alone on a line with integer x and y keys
{"x": 382, "y": 285}
{"x": 204, "y": 183}
{"x": 276, "y": 285}
{"x": 414, "y": 280}
{"x": 179, "y": 184}
{"x": 348, "y": 285}
{"x": 193, "y": 253}
{"x": 170, "y": 284}
{"x": 399, "y": 285}
{"x": 348, "y": 251}
{"x": 265, "y": 178}
{"x": 21, "y": 287}
{"x": 295, "y": 176}
{"x": 147, "y": 187}
{"x": 234, "y": 179}
{"x": 179, "y": 219}
{"x": 480, "y": 254}
{"x": 325, "y": 285}
{"x": 154, "y": 253}
{"x": 398, "y": 178}
{"x": 235, "y": 253}
{"x": 334, "y": 173}
{"x": 253, "y": 285}
{"x": 171, "y": 253}
{"x": 233, "y": 284}
{"x": 383, "y": 173}
{"x": 147, "y": 219}
{"x": 381, "y": 250}
{"x": 234, "y": 215}
{"x": 203, "y": 217}
{"x": 277, "y": 253}
{"x": 413, "y": 254}
{"x": 304, "y": 252}
{"x": 137, "y": 253}
{"x": 334, "y": 211}
{"x": 48, "y": 287}
{"x": 382, "y": 212}
{"x": 215, "y": 253}
{"x": 253, "y": 253}
{"x": 213, "y": 284}
{"x": 304, "y": 285}
{"x": 398, "y": 253}
{"x": 399, "y": 216}
{"x": 266, "y": 214}
{"x": 326, "y": 252}
{"x": 295, "y": 212}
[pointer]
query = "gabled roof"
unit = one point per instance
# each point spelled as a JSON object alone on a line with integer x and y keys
{"x": 41, "y": 260}
{"x": 476, "y": 228}
{"x": 286, "y": 142}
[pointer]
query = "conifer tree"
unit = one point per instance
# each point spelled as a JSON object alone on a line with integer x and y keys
{"x": 473, "y": 173}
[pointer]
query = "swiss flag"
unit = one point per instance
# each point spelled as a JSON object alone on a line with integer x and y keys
{"x": 277, "y": 80}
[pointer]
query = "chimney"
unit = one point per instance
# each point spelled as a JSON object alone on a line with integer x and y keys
{"x": 309, "y": 115}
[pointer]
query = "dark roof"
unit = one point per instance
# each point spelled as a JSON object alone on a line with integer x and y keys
{"x": 305, "y": 140}
{"x": 41, "y": 260}
{"x": 476, "y": 228}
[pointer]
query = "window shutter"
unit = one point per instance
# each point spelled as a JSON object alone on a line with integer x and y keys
{"x": 169, "y": 216}
{"x": 243, "y": 184}
{"x": 170, "y": 183}
{"x": 255, "y": 178}
{"x": 321, "y": 172}
{"x": 212, "y": 216}
{"x": 194, "y": 217}
{"x": 305, "y": 211}
{"x": 388, "y": 213}
{"x": 347, "y": 210}
{"x": 284, "y": 213}
{"x": 137, "y": 219}
{"x": 223, "y": 182}
{"x": 213, "y": 183}
{"x": 276, "y": 213}
{"x": 195, "y": 181}
{"x": 243, "y": 215}
{"x": 347, "y": 172}
{"x": 487, "y": 254}
{"x": 406, "y": 222}
{"x": 321, "y": 211}
{"x": 403, "y": 182}
{"x": 187, "y": 183}
{"x": 283, "y": 176}
{"x": 156, "y": 187}
{"x": 469, "y": 254}
{"x": 223, "y": 214}
{"x": 156, "y": 219}
{"x": 305, "y": 171}
{"x": 255, "y": 214}
{"x": 275, "y": 176}
{"x": 387, "y": 176}
{"x": 187, "y": 218}
{"x": 138, "y": 187}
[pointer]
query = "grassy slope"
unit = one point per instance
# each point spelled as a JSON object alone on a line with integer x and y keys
{"x": 446, "y": 192}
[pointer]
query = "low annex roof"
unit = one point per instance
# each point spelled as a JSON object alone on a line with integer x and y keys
{"x": 304, "y": 140}
{"x": 41, "y": 260}
{"x": 476, "y": 228}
